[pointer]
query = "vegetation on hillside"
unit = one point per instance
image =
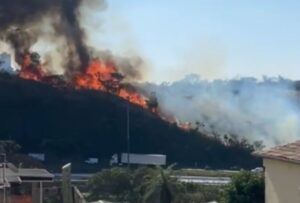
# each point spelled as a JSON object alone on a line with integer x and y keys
{"x": 9, "y": 147}
{"x": 12, "y": 151}
{"x": 73, "y": 125}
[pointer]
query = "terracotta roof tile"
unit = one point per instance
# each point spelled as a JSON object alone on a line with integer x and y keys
{"x": 289, "y": 152}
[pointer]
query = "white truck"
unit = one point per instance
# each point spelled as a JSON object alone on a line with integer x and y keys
{"x": 139, "y": 159}
{"x": 92, "y": 161}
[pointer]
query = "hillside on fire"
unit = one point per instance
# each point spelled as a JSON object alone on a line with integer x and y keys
{"x": 67, "y": 97}
{"x": 76, "y": 124}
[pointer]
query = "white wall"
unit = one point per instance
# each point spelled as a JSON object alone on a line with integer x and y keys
{"x": 282, "y": 181}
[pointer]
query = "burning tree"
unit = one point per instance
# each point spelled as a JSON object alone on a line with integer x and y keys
{"x": 31, "y": 67}
{"x": 152, "y": 102}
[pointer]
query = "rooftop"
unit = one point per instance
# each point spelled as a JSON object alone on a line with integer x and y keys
{"x": 19, "y": 175}
{"x": 289, "y": 152}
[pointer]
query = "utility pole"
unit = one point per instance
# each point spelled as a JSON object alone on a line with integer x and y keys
{"x": 3, "y": 176}
{"x": 128, "y": 134}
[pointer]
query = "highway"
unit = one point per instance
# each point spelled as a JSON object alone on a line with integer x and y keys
{"x": 204, "y": 180}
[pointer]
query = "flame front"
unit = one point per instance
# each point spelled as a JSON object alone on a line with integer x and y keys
{"x": 103, "y": 75}
{"x": 30, "y": 69}
{"x": 133, "y": 97}
{"x": 100, "y": 75}
{"x": 96, "y": 75}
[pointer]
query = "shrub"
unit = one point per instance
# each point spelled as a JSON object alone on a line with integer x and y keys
{"x": 246, "y": 187}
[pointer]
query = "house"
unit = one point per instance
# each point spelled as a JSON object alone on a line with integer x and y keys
{"x": 13, "y": 180}
{"x": 282, "y": 173}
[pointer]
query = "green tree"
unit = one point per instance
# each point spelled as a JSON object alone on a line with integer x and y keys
{"x": 246, "y": 187}
{"x": 9, "y": 147}
{"x": 141, "y": 175}
{"x": 148, "y": 185}
{"x": 111, "y": 184}
{"x": 160, "y": 186}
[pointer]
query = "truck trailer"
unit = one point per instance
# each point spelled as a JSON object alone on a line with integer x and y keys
{"x": 138, "y": 159}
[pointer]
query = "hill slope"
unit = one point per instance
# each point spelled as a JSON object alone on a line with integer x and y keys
{"x": 68, "y": 124}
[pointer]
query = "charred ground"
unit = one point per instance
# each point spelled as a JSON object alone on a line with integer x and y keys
{"x": 72, "y": 125}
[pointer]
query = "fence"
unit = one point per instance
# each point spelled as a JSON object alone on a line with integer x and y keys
{"x": 77, "y": 196}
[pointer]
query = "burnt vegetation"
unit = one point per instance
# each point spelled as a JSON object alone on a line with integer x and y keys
{"x": 72, "y": 125}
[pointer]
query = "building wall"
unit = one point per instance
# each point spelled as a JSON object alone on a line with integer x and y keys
{"x": 282, "y": 181}
{"x": 5, "y": 62}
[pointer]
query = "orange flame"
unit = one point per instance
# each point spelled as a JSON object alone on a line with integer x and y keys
{"x": 30, "y": 70}
{"x": 103, "y": 75}
{"x": 133, "y": 97}
{"x": 186, "y": 126}
{"x": 96, "y": 74}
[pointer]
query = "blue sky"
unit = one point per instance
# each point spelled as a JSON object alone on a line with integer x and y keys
{"x": 213, "y": 38}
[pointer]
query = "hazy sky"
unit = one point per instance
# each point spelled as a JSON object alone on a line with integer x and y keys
{"x": 214, "y": 38}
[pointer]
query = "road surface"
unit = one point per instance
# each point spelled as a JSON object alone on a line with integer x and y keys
{"x": 204, "y": 180}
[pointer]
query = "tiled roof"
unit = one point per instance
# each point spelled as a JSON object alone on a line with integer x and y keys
{"x": 289, "y": 152}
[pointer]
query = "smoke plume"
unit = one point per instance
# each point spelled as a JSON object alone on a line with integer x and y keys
{"x": 20, "y": 22}
{"x": 73, "y": 31}
{"x": 257, "y": 110}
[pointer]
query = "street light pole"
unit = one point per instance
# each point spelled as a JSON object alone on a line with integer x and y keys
{"x": 128, "y": 135}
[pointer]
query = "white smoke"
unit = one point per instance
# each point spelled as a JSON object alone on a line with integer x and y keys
{"x": 263, "y": 110}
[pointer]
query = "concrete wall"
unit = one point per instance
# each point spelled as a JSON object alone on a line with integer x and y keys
{"x": 282, "y": 181}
